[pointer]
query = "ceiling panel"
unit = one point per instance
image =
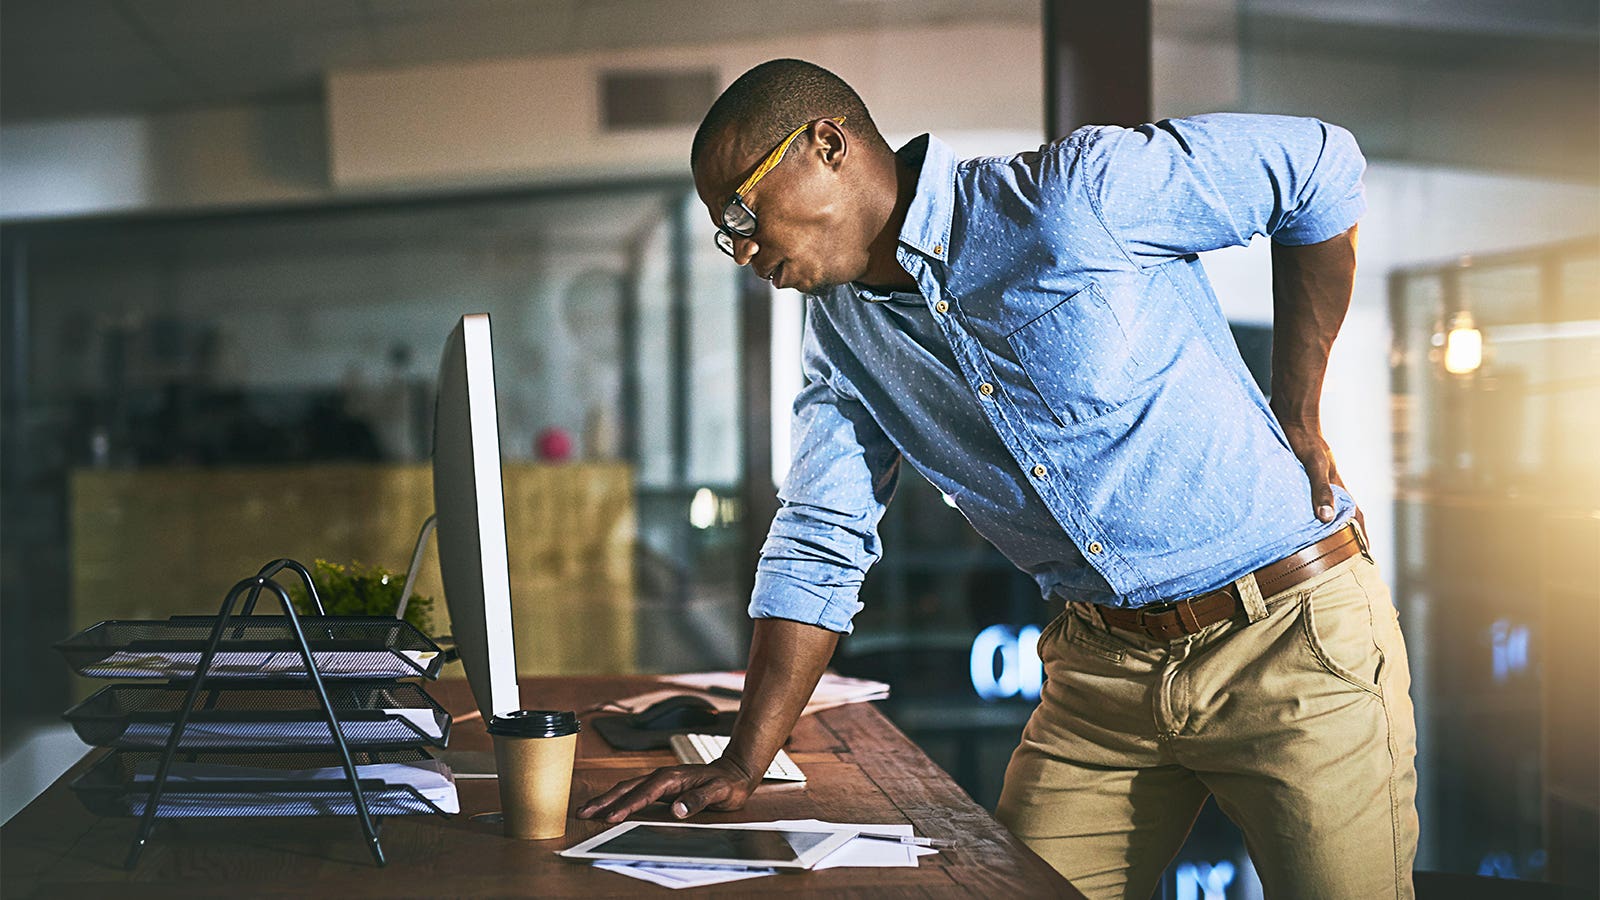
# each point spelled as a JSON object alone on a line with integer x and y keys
{"x": 80, "y": 57}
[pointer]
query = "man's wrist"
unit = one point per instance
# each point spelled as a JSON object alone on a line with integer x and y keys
{"x": 739, "y": 769}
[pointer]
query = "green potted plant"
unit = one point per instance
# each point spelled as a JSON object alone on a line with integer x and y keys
{"x": 358, "y": 590}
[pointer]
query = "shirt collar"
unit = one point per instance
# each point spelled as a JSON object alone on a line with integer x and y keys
{"x": 927, "y": 225}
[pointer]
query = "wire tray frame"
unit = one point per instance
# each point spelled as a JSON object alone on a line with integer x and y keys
{"x": 253, "y": 646}
{"x": 371, "y": 716}
{"x": 119, "y": 786}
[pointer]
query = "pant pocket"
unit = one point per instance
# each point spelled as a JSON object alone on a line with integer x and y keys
{"x": 1084, "y": 637}
{"x": 1336, "y": 617}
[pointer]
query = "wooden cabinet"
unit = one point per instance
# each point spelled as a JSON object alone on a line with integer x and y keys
{"x": 156, "y": 542}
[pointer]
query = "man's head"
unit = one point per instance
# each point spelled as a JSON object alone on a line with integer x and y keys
{"x": 824, "y": 200}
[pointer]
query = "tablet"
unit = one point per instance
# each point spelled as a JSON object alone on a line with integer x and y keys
{"x": 763, "y": 846}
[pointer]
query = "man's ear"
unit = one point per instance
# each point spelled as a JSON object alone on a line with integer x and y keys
{"x": 832, "y": 144}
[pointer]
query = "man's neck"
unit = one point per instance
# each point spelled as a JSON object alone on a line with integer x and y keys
{"x": 883, "y": 261}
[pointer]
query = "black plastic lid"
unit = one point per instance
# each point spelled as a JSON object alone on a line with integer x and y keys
{"x": 535, "y": 723}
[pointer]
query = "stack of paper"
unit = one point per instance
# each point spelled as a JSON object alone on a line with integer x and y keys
{"x": 135, "y": 664}
{"x": 859, "y": 853}
{"x": 287, "y": 734}
{"x": 330, "y": 663}
{"x": 430, "y": 778}
{"x": 680, "y": 876}
{"x": 833, "y": 690}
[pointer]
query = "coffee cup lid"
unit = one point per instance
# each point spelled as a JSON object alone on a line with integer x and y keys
{"x": 535, "y": 723}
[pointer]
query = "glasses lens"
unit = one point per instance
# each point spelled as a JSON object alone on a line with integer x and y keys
{"x": 725, "y": 242}
{"x": 737, "y": 218}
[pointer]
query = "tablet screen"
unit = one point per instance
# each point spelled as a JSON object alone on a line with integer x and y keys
{"x": 764, "y": 846}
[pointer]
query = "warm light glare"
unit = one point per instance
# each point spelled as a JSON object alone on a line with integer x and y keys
{"x": 703, "y": 509}
{"x": 1463, "y": 346}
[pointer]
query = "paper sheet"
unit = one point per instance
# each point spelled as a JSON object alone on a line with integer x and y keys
{"x": 864, "y": 852}
{"x": 676, "y": 877}
{"x": 430, "y": 778}
{"x": 286, "y": 734}
{"x": 832, "y": 690}
{"x": 331, "y": 663}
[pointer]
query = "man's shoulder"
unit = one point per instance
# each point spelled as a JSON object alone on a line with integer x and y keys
{"x": 1047, "y": 171}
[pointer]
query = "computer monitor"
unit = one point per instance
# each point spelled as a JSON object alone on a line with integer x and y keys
{"x": 470, "y": 508}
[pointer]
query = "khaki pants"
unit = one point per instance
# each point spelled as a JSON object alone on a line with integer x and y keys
{"x": 1298, "y": 722}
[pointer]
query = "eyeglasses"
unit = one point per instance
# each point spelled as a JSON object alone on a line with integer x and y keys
{"x": 738, "y": 219}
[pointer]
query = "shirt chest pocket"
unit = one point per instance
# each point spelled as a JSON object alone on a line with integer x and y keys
{"x": 1078, "y": 357}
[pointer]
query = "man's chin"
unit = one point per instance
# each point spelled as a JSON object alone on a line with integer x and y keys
{"x": 817, "y": 286}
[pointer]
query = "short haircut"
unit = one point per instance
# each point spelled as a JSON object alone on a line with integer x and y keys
{"x": 764, "y": 104}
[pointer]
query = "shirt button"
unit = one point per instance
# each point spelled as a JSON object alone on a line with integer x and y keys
{"x": 1095, "y": 548}
{"x": 986, "y": 389}
{"x": 938, "y": 248}
{"x": 1038, "y": 471}
{"x": 941, "y": 307}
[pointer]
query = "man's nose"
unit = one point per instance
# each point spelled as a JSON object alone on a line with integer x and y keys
{"x": 745, "y": 249}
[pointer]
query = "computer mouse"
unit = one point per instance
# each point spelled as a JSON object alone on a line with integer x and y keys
{"x": 671, "y": 713}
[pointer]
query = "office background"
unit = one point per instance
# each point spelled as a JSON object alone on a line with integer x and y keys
{"x": 234, "y": 236}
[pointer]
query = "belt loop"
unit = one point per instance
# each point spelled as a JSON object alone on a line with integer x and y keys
{"x": 1093, "y": 609}
{"x": 1255, "y": 608}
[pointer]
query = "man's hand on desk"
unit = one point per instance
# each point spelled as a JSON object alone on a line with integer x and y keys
{"x": 786, "y": 660}
{"x": 720, "y": 785}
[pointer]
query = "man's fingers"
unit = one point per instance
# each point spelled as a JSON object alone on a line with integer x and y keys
{"x": 1324, "y": 496}
{"x": 1321, "y": 473}
{"x": 692, "y": 801}
{"x": 692, "y": 789}
{"x": 653, "y": 788}
{"x": 595, "y": 804}
{"x": 1321, "y": 492}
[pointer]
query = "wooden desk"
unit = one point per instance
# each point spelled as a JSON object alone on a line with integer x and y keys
{"x": 861, "y": 769}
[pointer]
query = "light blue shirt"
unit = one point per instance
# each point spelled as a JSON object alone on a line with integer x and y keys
{"x": 1065, "y": 373}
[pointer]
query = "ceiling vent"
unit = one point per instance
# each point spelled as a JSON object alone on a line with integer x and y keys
{"x": 655, "y": 99}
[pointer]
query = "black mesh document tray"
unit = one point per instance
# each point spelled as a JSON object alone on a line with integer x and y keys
{"x": 235, "y": 785}
{"x": 257, "y": 647}
{"x": 372, "y": 716}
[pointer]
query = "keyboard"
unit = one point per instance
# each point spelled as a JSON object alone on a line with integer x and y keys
{"x": 699, "y": 749}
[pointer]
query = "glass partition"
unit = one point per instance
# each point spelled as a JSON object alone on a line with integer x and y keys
{"x": 1496, "y": 365}
{"x": 200, "y": 395}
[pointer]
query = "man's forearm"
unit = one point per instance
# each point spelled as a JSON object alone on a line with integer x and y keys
{"x": 786, "y": 660}
{"x": 1310, "y": 296}
{"x": 1311, "y": 287}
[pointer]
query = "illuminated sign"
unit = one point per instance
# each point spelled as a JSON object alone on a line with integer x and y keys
{"x": 1199, "y": 881}
{"x": 1508, "y": 646}
{"x": 1005, "y": 663}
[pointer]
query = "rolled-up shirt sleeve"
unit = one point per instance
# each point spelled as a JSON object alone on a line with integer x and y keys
{"x": 824, "y": 537}
{"x": 1183, "y": 186}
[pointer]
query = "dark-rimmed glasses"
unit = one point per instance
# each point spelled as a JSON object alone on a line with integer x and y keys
{"x": 738, "y": 219}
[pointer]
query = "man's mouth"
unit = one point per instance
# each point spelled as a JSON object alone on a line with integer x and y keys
{"x": 772, "y": 276}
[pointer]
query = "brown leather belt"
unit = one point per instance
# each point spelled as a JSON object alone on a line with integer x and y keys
{"x": 1170, "y": 621}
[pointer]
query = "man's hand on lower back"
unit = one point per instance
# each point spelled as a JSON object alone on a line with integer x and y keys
{"x": 1306, "y": 440}
{"x": 720, "y": 785}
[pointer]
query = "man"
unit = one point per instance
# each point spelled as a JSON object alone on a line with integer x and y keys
{"x": 1036, "y": 336}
